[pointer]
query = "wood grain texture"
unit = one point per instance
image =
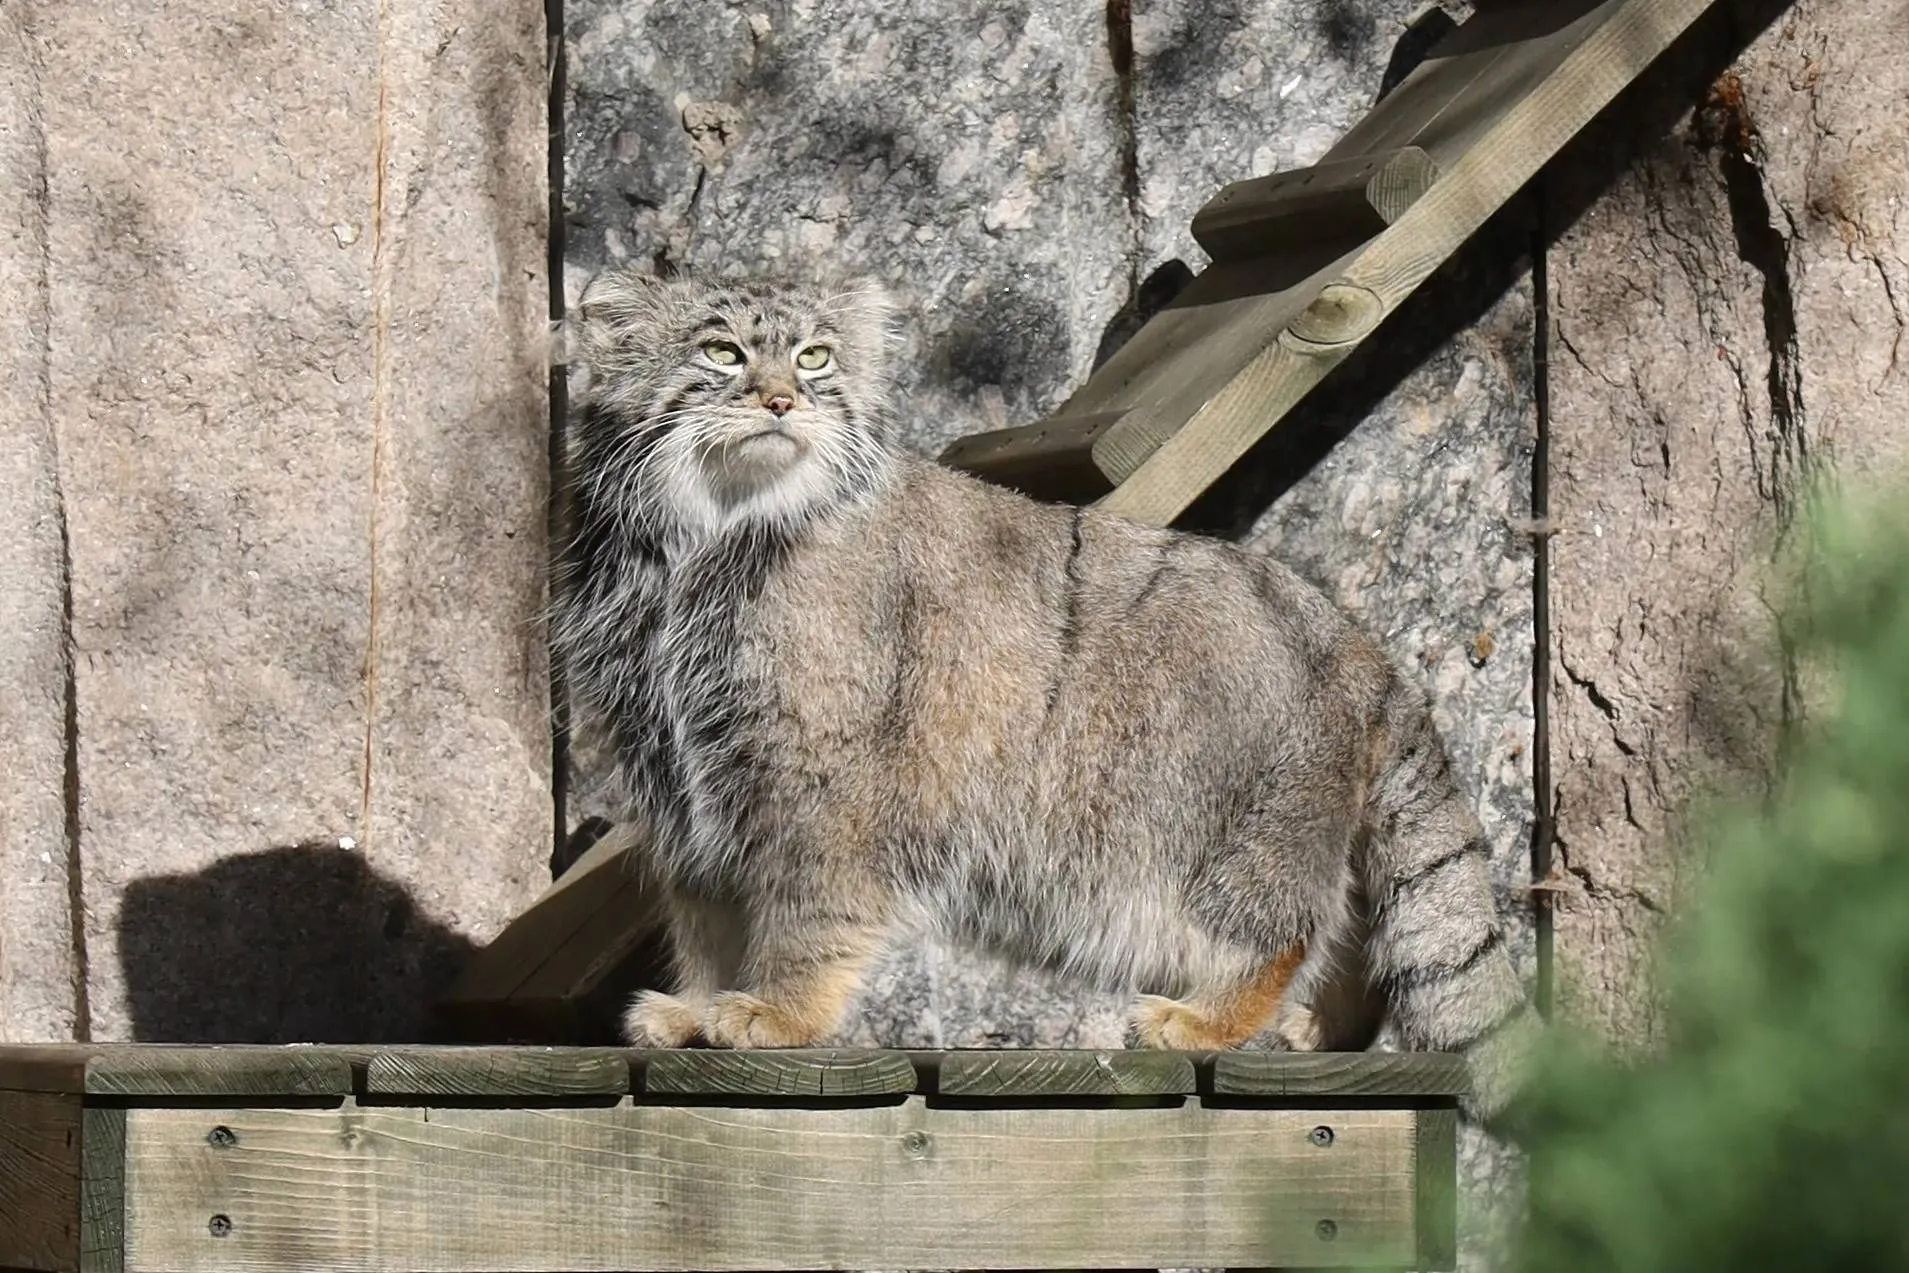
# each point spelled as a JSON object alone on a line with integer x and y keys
{"x": 845, "y": 1072}
{"x": 103, "y": 1191}
{"x": 1409, "y": 1076}
{"x": 515, "y": 955}
{"x": 40, "y": 1145}
{"x": 650, "y": 1187}
{"x": 525, "y": 1073}
{"x": 159, "y": 1070}
{"x": 1435, "y": 1163}
{"x": 1053, "y": 459}
{"x": 1017, "y": 1073}
{"x": 1521, "y": 107}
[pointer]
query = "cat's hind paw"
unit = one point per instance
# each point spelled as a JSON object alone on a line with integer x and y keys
{"x": 1299, "y": 1031}
{"x": 657, "y": 1020}
{"x": 1160, "y": 1022}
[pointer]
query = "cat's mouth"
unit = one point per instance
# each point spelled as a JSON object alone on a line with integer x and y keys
{"x": 777, "y": 439}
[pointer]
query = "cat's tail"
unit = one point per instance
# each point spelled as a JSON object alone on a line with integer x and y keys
{"x": 1436, "y": 951}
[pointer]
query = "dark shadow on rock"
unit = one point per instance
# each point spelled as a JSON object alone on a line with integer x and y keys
{"x": 303, "y": 944}
{"x": 1151, "y": 295}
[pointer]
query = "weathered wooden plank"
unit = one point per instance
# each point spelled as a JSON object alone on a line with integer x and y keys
{"x": 1350, "y": 198}
{"x": 162, "y": 1070}
{"x": 796, "y": 1072}
{"x": 1185, "y": 354}
{"x": 40, "y": 1146}
{"x": 1435, "y": 1164}
{"x": 1053, "y": 459}
{"x": 1163, "y": 463}
{"x": 535, "y": 980}
{"x": 103, "y": 1191}
{"x": 1031, "y": 1073}
{"x": 1173, "y": 364}
{"x": 1237, "y": 350}
{"x": 496, "y": 971}
{"x": 526, "y": 1073}
{"x": 1435, "y": 1076}
{"x": 642, "y": 1187}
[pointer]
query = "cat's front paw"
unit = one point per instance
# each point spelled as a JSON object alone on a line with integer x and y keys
{"x": 657, "y": 1020}
{"x": 737, "y": 1019}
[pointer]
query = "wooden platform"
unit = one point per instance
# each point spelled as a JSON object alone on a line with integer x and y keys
{"x": 143, "y": 1158}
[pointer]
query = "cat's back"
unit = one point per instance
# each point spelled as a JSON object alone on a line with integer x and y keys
{"x": 1084, "y": 598}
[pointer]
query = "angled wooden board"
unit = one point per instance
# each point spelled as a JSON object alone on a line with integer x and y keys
{"x": 1513, "y": 117}
{"x": 1203, "y": 380}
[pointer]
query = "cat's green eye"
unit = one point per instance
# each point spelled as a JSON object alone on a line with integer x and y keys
{"x": 814, "y": 358}
{"x": 722, "y": 353}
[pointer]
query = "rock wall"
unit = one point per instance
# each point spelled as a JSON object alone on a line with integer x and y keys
{"x": 39, "y": 999}
{"x": 274, "y": 305}
{"x": 1727, "y": 328}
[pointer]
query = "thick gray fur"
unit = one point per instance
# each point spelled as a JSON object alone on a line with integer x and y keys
{"x": 848, "y": 690}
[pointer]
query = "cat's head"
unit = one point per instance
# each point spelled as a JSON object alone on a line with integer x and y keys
{"x": 708, "y": 403}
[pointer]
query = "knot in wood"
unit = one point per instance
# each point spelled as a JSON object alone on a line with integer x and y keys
{"x": 1342, "y": 314}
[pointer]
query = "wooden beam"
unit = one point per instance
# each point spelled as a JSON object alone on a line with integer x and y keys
{"x": 1308, "y": 264}
{"x": 990, "y": 1074}
{"x": 1050, "y": 460}
{"x": 103, "y": 1190}
{"x": 655, "y": 1187}
{"x": 40, "y": 1144}
{"x": 166, "y": 1070}
{"x": 539, "y": 978}
{"x": 819, "y": 1072}
{"x": 1411, "y": 1077}
{"x": 1530, "y": 98}
{"x": 1352, "y": 197}
{"x": 1435, "y": 1166}
{"x": 527, "y": 1075}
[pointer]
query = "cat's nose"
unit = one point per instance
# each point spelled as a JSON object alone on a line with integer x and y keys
{"x": 779, "y": 404}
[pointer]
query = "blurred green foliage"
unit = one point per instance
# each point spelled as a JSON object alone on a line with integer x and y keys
{"x": 1772, "y": 1131}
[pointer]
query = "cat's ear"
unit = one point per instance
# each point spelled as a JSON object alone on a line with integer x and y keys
{"x": 873, "y": 311}
{"x": 611, "y": 304}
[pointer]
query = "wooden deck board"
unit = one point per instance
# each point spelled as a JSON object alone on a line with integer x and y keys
{"x": 654, "y": 1187}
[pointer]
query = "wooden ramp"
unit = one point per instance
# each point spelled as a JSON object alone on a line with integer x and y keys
{"x": 155, "y": 1159}
{"x": 1307, "y": 264}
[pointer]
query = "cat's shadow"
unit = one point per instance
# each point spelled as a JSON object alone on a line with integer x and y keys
{"x": 304, "y": 943}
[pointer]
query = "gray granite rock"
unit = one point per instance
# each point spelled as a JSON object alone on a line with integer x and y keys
{"x": 300, "y": 427}
{"x": 968, "y": 154}
{"x": 38, "y": 1002}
